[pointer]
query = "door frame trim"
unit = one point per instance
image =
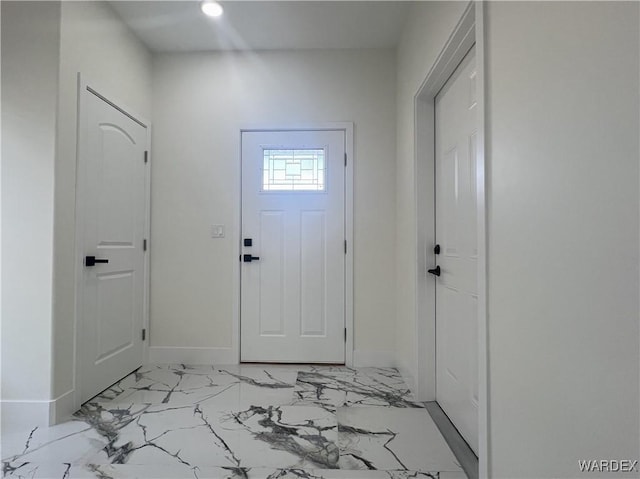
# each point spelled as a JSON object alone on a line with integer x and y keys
{"x": 468, "y": 31}
{"x": 89, "y": 87}
{"x": 347, "y": 128}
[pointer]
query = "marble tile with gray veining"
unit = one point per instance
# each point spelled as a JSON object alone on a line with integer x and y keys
{"x": 380, "y": 387}
{"x": 125, "y": 471}
{"x": 340, "y": 474}
{"x": 70, "y": 442}
{"x": 336, "y": 387}
{"x": 118, "y": 388}
{"x": 191, "y": 437}
{"x": 291, "y": 436}
{"x": 321, "y": 390}
{"x": 224, "y": 387}
{"x": 240, "y": 421}
{"x": 389, "y": 438}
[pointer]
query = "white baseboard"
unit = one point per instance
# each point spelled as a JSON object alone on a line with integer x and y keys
{"x": 25, "y": 414}
{"x": 28, "y": 414}
{"x": 182, "y": 355}
{"x": 62, "y": 407}
{"x": 365, "y": 358}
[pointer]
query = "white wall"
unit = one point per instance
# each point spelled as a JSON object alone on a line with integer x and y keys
{"x": 563, "y": 203}
{"x": 562, "y": 143}
{"x": 200, "y": 102}
{"x": 95, "y": 42}
{"x": 30, "y": 42}
{"x": 429, "y": 26}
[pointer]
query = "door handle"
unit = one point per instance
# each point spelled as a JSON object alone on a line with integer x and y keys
{"x": 91, "y": 260}
{"x": 435, "y": 271}
{"x": 247, "y": 258}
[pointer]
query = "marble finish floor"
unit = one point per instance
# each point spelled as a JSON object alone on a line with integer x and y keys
{"x": 240, "y": 421}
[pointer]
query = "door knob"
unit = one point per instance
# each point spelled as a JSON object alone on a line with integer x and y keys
{"x": 91, "y": 260}
{"x": 435, "y": 271}
{"x": 247, "y": 258}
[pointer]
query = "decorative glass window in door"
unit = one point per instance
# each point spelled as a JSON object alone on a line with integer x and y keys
{"x": 294, "y": 170}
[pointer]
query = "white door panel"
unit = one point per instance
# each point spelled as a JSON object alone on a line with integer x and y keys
{"x": 112, "y": 185}
{"x": 313, "y": 259}
{"x": 456, "y": 233}
{"x": 293, "y": 296}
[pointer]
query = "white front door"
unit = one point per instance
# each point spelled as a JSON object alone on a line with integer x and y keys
{"x": 293, "y": 246}
{"x": 456, "y": 234}
{"x": 111, "y": 208}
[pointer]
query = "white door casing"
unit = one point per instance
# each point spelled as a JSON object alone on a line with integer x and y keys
{"x": 456, "y": 233}
{"x": 112, "y": 210}
{"x": 293, "y": 297}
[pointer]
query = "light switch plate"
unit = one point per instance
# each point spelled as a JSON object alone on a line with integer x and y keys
{"x": 217, "y": 231}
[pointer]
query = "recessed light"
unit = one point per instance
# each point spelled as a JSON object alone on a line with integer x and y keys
{"x": 211, "y": 9}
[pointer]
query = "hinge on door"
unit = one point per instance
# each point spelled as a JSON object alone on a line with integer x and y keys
{"x": 345, "y": 335}
{"x": 144, "y": 334}
{"x": 146, "y": 156}
{"x": 345, "y": 159}
{"x": 345, "y": 246}
{"x": 144, "y": 245}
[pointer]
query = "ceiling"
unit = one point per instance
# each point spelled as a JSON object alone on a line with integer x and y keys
{"x": 180, "y": 26}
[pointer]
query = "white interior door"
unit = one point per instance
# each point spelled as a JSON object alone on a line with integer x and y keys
{"x": 293, "y": 220}
{"x": 456, "y": 234}
{"x": 111, "y": 189}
